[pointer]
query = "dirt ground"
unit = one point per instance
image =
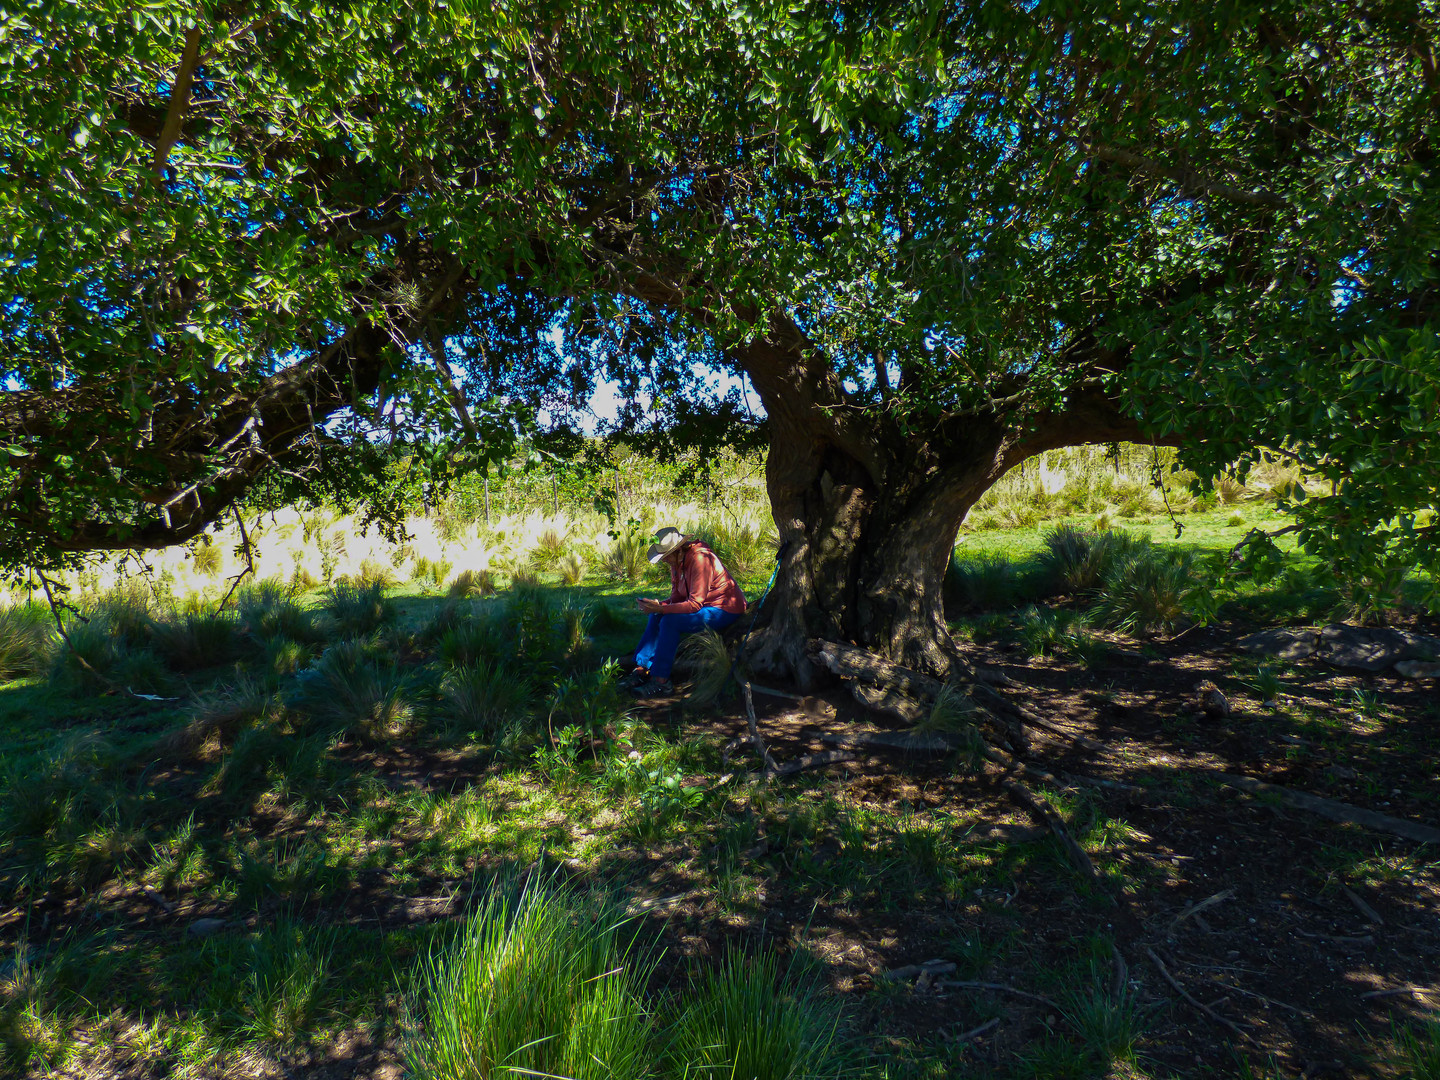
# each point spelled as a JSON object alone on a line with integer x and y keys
{"x": 1291, "y": 944}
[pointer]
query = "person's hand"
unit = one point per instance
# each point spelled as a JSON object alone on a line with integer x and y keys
{"x": 650, "y": 607}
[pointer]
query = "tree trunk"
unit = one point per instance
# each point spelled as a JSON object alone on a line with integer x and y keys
{"x": 868, "y": 517}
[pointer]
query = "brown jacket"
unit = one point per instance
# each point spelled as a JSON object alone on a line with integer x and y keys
{"x": 700, "y": 581}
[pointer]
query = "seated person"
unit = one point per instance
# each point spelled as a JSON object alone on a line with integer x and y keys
{"x": 702, "y": 595}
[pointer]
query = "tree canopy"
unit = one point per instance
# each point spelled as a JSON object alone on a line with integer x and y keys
{"x": 934, "y": 240}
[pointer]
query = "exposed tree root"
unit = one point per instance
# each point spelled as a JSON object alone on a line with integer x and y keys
{"x": 811, "y": 761}
{"x": 1044, "y": 813}
{"x": 889, "y": 703}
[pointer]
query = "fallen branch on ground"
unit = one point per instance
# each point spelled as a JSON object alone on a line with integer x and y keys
{"x": 1333, "y": 809}
{"x": 1199, "y": 906}
{"x": 1046, "y": 814}
{"x": 999, "y": 988}
{"x": 1196, "y": 1002}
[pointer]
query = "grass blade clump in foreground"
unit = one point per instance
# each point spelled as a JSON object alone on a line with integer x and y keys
{"x": 744, "y": 1019}
{"x": 537, "y": 984}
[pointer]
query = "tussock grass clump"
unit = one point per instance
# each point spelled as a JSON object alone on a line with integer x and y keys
{"x": 27, "y": 642}
{"x": 288, "y": 982}
{"x": 192, "y": 642}
{"x": 268, "y": 609}
{"x": 550, "y": 548}
{"x": 525, "y": 577}
{"x": 471, "y": 583}
{"x": 625, "y": 561}
{"x": 89, "y": 663}
{"x": 372, "y": 574}
{"x": 1417, "y": 1050}
{"x": 205, "y": 557}
{"x": 572, "y": 569}
{"x": 1079, "y": 560}
{"x": 358, "y": 609}
{"x": 474, "y": 641}
{"x": 220, "y": 715}
{"x": 430, "y": 573}
{"x": 985, "y": 581}
{"x": 1149, "y": 591}
{"x": 538, "y": 984}
{"x": 486, "y": 701}
{"x": 350, "y": 690}
{"x": 707, "y": 659}
{"x": 744, "y": 549}
{"x": 745, "y": 1018}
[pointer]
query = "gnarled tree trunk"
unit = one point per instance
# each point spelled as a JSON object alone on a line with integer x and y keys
{"x": 868, "y": 517}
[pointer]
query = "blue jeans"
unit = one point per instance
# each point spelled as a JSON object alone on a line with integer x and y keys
{"x": 656, "y": 650}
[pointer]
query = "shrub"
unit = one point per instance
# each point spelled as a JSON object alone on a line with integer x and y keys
{"x": 196, "y": 641}
{"x": 537, "y": 984}
{"x": 470, "y": 583}
{"x": 349, "y": 690}
{"x": 1146, "y": 591}
{"x": 983, "y": 581}
{"x": 285, "y": 657}
{"x": 27, "y": 642}
{"x": 486, "y": 700}
{"x": 358, "y": 609}
{"x": 744, "y": 1020}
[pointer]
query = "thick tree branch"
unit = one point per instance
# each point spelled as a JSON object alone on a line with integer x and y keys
{"x": 179, "y": 101}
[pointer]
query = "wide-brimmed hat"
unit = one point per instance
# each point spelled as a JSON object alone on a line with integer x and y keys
{"x": 667, "y": 540}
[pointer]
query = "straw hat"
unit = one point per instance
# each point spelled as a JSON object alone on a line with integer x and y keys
{"x": 667, "y": 540}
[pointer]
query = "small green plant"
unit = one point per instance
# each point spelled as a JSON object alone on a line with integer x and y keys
{"x": 538, "y": 983}
{"x": 222, "y": 713}
{"x": 358, "y": 609}
{"x": 525, "y": 577}
{"x": 745, "y": 1018}
{"x": 1266, "y": 683}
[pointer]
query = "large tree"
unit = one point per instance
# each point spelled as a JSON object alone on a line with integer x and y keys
{"x": 934, "y": 246}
